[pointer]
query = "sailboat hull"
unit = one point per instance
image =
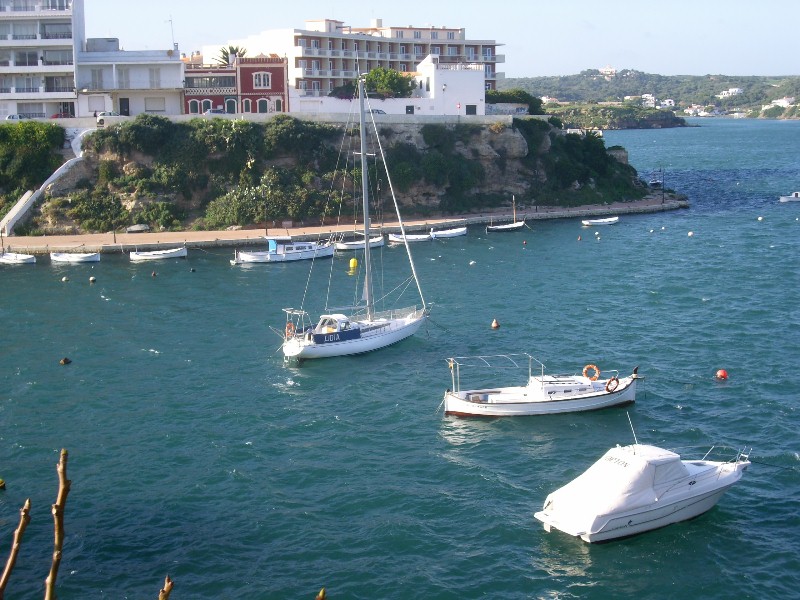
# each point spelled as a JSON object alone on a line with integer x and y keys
{"x": 378, "y": 334}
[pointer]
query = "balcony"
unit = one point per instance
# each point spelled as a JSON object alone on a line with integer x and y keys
{"x": 209, "y": 91}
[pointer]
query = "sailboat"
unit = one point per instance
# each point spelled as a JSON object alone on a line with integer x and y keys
{"x": 364, "y": 329}
{"x": 513, "y": 226}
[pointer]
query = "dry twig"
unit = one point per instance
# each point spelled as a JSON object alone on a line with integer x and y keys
{"x": 24, "y": 519}
{"x": 58, "y": 518}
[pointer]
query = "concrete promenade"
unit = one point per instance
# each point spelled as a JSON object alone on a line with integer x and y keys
{"x": 112, "y": 242}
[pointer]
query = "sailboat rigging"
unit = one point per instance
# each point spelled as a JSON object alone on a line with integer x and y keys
{"x": 337, "y": 334}
{"x": 513, "y": 226}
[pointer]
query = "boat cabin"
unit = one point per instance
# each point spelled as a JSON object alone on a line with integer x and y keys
{"x": 335, "y": 328}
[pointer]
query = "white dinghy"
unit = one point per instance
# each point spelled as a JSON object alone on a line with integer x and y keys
{"x": 636, "y": 488}
{"x": 396, "y": 238}
{"x": 541, "y": 395}
{"x": 74, "y": 257}
{"x": 159, "y": 254}
{"x": 448, "y": 233}
{"x": 605, "y": 221}
{"x": 16, "y": 258}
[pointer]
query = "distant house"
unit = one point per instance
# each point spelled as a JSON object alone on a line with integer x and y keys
{"x": 730, "y": 92}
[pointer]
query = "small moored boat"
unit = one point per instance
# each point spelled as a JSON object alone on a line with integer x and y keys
{"x": 374, "y": 242}
{"x": 397, "y": 238}
{"x": 606, "y": 221}
{"x": 793, "y": 197}
{"x": 508, "y": 227}
{"x": 159, "y": 254}
{"x": 283, "y": 249}
{"x": 541, "y": 395}
{"x": 448, "y": 233}
{"x": 636, "y": 488}
{"x": 16, "y": 258}
{"x": 74, "y": 257}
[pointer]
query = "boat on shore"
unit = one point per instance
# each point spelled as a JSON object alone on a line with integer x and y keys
{"x": 448, "y": 233}
{"x": 793, "y": 197}
{"x": 604, "y": 221}
{"x": 159, "y": 254}
{"x": 74, "y": 257}
{"x": 283, "y": 249}
{"x": 637, "y": 488}
{"x": 541, "y": 394}
{"x": 396, "y": 238}
{"x": 16, "y": 258}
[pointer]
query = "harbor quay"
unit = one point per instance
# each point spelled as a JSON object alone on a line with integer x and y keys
{"x": 114, "y": 242}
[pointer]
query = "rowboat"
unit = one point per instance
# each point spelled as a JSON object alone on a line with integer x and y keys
{"x": 409, "y": 237}
{"x": 540, "y": 395}
{"x": 159, "y": 254}
{"x": 374, "y": 242}
{"x": 74, "y": 257}
{"x": 448, "y": 233}
{"x": 15, "y": 258}
{"x": 637, "y": 488}
{"x": 606, "y": 221}
{"x": 283, "y": 249}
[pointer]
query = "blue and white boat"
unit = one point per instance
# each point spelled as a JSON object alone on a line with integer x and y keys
{"x": 283, "y": 249}
{"x": 365, "y": 329}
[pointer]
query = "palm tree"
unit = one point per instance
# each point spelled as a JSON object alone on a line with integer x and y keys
{"x": 225, "y": 54}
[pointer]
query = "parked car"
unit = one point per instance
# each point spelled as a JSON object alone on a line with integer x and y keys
{"x": 108, "y": 113}
{"x": 215, "y": 111}
{"x": 61, "y": 115}
{"x": 15, "y": 117}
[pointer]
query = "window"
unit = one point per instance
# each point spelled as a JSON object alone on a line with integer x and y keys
{"x": 230, "y": 106}
{"x": 194, "y": 107}
{"x": 97, "y": 79}
{"x": 330, "y": 44}
{"x": 315, "y": 43}
{"x": 402, "y": 49}
{"x": 155, "y": 105}
{"x": 417, "y": 35}
{"x": 123, "y": 78}
{"x": 155, "y": 78}
{"x": 26, "y": 58}
{"x": 247, "y": 106}
{"x": 263, "y": 80}
{"x": 207, "y": 105}
{"x": 452, "y": 51}
{"x": 417, "y": 50}
{"x": 315, "y": 85}
{"x": 403, "y": 67}
{"x": 278, "y": 106}
{"x": 451, "y": 35}
{"x": 437, "y": 50}
{"x": 434, "y": 35}
{"x": 400, "y": 35}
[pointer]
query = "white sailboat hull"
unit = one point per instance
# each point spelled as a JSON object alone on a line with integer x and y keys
{"x": 409, "y": 237}
{"x": 606, "y": 221}
{"x": 375, "y": 242}
{"x": 15, "y": 258}
{"x": 395, "y": 330}
{"x": 74, "y": 257}
{"x": 159, "y": 254}
{"x": 515, "y": 226}
{"x": 448, "y": 233}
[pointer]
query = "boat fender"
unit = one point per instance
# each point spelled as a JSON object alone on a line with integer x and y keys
{"x": 289, "y": 329}
{"x": 588, "y": 368}
{"x": 612, "y": 384}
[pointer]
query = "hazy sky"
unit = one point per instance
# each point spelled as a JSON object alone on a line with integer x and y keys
{"x": 677, "y": 37}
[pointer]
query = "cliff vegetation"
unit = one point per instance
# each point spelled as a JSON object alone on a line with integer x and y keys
{"x": 219, "y": 173}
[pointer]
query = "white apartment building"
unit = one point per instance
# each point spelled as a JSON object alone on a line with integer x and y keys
{"x": 129, "y": 82}
{"x": 38, "y": 43}
{"x": 328, "y": 54}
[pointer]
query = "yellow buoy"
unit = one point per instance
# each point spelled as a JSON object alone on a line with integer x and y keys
{"x": 353, "y": 263}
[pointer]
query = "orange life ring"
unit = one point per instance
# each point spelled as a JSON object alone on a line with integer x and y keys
{"x": 289, "y": 329}
{"x": 612, "y": 384}
{"x": 588, "y": 368}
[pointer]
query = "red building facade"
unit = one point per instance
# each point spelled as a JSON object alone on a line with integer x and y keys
{"x": 246, "y": 86}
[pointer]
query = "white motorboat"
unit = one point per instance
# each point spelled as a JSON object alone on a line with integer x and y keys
{"x": 374, "y": 242}
{"x": 16, "y": 258}
{"x": 283, "y": 249}
{"x": 636, "y": 488}
{"x": 540, "y": 395}
{"x": 448, "y": 233}
{"x": 514, "y": 225}
{"x": 605, "y": 221}
{"x": 159, "y": 254}
{"x": 409, "y": 237}
{"x": 74, "y": 257}
{"x": 365, "y": 329}
{"x": 793, "y": 197}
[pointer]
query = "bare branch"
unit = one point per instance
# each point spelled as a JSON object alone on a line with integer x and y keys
{"x": 164, "y": 593}
{"x": 58, "y": 519}
{"x": 24, "y": 519}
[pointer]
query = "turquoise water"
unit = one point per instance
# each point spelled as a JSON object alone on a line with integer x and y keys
{"x": 195, "y": 451}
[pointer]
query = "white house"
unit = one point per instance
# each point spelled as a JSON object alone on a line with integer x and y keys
{"x": 128, "y": 82}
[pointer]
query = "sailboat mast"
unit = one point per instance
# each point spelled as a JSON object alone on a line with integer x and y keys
{"x": 365, "y": 199}
{"x": 514, "y": 207}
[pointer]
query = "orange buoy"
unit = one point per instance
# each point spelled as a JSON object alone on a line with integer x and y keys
{"x": 495, "y": 324}
{"x": 722, "y": 374}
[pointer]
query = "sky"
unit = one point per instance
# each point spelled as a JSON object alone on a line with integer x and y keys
{"x": 679, "y": 37}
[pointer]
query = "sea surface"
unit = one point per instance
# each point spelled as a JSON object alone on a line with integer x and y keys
{"x": 194, "y": 451}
